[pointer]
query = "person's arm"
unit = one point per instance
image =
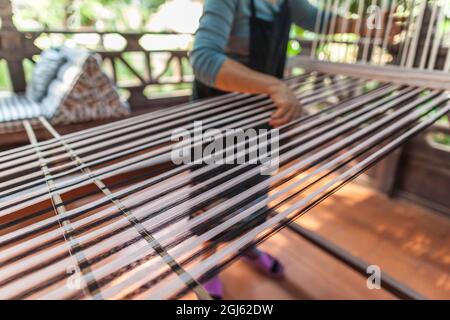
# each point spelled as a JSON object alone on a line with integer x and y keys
{"x": 304, "y": 14}
{"x": 208, "y": 53}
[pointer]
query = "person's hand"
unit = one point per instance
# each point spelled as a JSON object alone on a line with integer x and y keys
{"x": 288, "y": 106}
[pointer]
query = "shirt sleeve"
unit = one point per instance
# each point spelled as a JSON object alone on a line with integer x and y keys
{"x": 304, "y": 14}
{"x": 208, "y": 53}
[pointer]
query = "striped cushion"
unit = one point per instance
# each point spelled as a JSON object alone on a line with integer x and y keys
{"x": 14, "y": 109}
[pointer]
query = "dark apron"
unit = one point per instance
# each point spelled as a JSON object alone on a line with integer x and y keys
{"x": 267, "y": 54}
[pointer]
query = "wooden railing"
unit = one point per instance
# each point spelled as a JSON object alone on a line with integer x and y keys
{"x": 140, "y": 70}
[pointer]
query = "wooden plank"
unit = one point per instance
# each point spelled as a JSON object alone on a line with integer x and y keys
{"x": 393, "y": 74}
{"x": 388, "y": 283}
{"x": 310, "y": 274}
{"x": 408, "y": 242}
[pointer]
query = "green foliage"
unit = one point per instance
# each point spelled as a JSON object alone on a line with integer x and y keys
{"x": 5, "y": 82}
{"x": 354, "y": 5}
{"x": 109, "y": 14}
{"x": 294, "y": 47}
{"x": 441, "y": 138}
{"x": 39, "y": 13}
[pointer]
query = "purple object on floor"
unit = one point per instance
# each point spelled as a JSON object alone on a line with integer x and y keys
{"x": 267, "y": 265}
{"x": 214, "y": 287}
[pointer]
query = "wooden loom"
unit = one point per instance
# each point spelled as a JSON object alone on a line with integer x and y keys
{"x": 103, "y": 213}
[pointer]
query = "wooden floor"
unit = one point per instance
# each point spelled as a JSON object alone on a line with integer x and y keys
{"x": 407, "y": 242}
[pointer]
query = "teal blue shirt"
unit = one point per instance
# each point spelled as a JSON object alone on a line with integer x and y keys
{"x": 224, "y": 31}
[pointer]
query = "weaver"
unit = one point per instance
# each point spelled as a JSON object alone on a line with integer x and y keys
{"x": 104, "y": 214}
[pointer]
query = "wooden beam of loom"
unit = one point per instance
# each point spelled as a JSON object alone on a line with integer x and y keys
{"x": 439, "y": 80}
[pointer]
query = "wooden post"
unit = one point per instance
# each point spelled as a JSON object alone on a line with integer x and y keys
{"x": 12, "y": 45}
{"x": 387, "y": 172}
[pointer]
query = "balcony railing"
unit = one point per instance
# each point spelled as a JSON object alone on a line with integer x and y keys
{"x": 152, "y": 70}
{"x": 145, "y": 66}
